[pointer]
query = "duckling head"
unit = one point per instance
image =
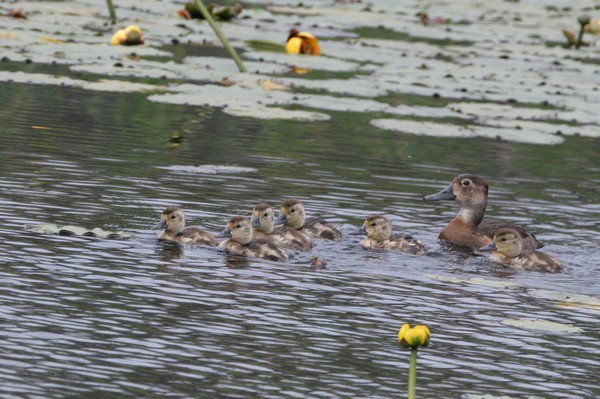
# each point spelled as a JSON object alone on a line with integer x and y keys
{"x": 377, "y": 227}
{"x": 292, "y": 214}
{"x": 263, "y": 218}
{"x": 172, "y": 220}
{"x": 506, "y": 241}
{"x": 239, "y": 230}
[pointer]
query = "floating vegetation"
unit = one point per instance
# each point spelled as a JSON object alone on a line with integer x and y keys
{"x": 72, "y": 230}
{"x": 497, "y": 78}
{"x": 541, "y": 325}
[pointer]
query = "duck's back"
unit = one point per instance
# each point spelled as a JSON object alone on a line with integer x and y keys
{"x": 195, "y": 235}
{"x": 292, "y": 238}
{"x": 406, "y": 243}
{"x": 264, "y": 249}
{"x": 490, "y": 227}
{"x": 321, "y": 229}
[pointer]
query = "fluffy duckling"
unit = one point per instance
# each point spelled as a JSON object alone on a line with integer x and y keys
{"x": 509, "y": 250}
{"x": 173, "y": 224}
{"x": 263, "y": 224}
{"x": 379, "y": 236}
{"x": 468, "y": 229}
{"x": 293, "y": 215}
{"x": 239, "y": 242}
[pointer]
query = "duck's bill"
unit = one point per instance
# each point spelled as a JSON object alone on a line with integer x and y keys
{"x": 225, "y": 233}
{"x": 445, "y": 194}
{"x": 255, "y": 223}
{"x": 281, "y": 220}
{"x": 360, "y": 232}
{"x": 490, "y": 247}
{"x": 161, "y": 225}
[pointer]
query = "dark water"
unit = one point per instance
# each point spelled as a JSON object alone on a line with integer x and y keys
{"x": 84, "y": 317}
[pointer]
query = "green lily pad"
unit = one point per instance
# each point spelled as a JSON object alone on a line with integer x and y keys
{"x": 541, "y": 325}
{"x": 475, "y": 281}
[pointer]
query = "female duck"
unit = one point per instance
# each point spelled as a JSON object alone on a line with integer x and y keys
{"x": 379, "y": 236}
{"x": 173, "y": 224}
{"x": 467, "y": 228}
{"x": 239, "y": 242}
{"x": 293, "y": 215}
{"x": 509, "y": 250}
{"x": 263, "y": 224}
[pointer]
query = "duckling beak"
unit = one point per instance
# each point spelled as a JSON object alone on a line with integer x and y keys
{"x": 161, "y": 225}
{"x": 225, "y": 233}
{"x": 445, "y": 194}
{"x": 490, "y": 247}
{"x": 255, "y": 223}
{"x": 281, "y": 220}
{"x": 360, "y": 232}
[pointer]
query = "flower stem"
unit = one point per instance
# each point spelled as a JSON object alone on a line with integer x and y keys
{"x": 221, "y": 36}
{"x": 580, "y": 37}
{"x": 111, "y": 11}
{"x": 412, "y": 374}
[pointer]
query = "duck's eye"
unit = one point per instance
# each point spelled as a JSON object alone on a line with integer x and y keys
{"x": 266, "y": 214}
{"x": 172, "y": 216}
{"x": 292, "y": 210}
{"x": 373, "y": 224}
{"x": 237, "y": 226}
{"x": 503, "y": 239}
{"x": 466, "y": 182}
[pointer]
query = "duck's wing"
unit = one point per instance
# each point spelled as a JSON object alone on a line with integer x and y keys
{"x": 321, "y": 229}
{"x": 265, "y": 249}
{"x": 198, "y": 236}
{"x": 490, "y": 227}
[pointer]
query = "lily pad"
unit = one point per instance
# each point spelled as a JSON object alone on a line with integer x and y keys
{"x": 208, "y": 169}
{"x": 567, "y": 300}
{"x": 475, "y": 281}
{"x": 542, "y": 325}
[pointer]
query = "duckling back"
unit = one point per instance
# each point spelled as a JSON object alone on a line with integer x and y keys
{"x": 321, "y": 229}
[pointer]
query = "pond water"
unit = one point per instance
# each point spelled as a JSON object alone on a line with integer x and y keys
{"x": 138, "y": 318}
{"x": 107, "y": 137}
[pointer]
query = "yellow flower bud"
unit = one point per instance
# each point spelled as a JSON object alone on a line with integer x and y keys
{"x": 302, "y": 43}
{"x": 413, "y": 337}
{"x": 119, "y": 37}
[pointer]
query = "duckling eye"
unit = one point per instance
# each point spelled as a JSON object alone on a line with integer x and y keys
{"x": 503, "y": 239}
{"x": 172, "y": 216}
{"x": 237, "y": 226}
{"x": 466, "y": 182}
{"x": 292, "y": 210}
{"x": 266, "y": 214}
{"x": 373, "y": 224}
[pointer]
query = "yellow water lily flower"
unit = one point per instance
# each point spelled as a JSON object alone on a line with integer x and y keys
{"x": 302, "y": 43}
{"x": 413, "y": 337}
{"x": 130, "y": 36}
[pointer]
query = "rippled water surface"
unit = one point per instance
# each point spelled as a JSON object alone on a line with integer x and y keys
{"x": 138, "y": 318}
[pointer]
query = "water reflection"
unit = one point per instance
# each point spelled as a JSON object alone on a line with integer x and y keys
{"x": 120, "y": 317}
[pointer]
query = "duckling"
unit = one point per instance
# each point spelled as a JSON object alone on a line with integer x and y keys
{"x": 509, "y": 250}
{"x": 467, "y": 228}
{"x": 263, "y": 220}
{"x": 240, "y": 242}
{"x": 293, "y": 215}
{"x": 379, "y": 236}
{"x": 173, "y": 224}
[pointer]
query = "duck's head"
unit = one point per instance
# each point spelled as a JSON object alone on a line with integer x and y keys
{"x": 238, "y": 229}
{"x": 506, "y": 241}
{"x": 377, "y": 227}
{"x": 468, "y": 190}
{"x": 263, "y": 218}
{"x": 292, "y": 214}
{"x": 172, "y": 220}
